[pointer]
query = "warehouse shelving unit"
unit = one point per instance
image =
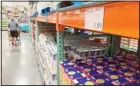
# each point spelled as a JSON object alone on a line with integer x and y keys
{"x": 116, "y": 19}
{"x": 34, "y": 33}
{"x": 47, "y": 73}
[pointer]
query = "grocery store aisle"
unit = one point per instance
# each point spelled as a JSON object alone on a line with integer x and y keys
{"x": 19, "y": 65}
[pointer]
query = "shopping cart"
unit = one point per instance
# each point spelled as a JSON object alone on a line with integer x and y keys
{"x": 18, "y": 41}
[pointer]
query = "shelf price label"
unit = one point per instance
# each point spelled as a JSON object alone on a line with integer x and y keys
{"x": 94, "y": 18}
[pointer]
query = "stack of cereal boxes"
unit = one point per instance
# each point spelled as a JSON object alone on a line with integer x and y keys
{"x": 116, "y": 70}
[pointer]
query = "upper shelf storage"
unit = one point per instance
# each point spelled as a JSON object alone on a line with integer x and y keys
{"x": 118, "y": 18}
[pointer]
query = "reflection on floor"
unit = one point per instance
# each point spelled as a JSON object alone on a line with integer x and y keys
{"x": 19, "y": 65}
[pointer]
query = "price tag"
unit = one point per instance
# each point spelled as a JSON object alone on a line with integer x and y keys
{"x": 94, "y": 18}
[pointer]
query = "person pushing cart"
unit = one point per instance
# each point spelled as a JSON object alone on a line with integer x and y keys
{"x": 13, "y": 31}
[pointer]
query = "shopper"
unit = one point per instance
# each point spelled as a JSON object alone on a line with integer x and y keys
{"x": 13, "y": 30}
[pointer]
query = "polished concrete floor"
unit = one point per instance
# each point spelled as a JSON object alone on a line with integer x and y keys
{"x": 19, "y": 65}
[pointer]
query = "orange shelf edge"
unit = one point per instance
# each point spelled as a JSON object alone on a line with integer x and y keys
{"x": 120, "y": 18}
{"x": 40, "y": 19}
{"x": 52, "y": 18}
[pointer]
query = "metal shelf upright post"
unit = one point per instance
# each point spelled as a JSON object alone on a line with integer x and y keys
{"x": 60, "y": 46}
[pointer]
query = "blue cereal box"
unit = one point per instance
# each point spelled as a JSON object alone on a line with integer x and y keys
{"x": 81, "y": 62}
{"x": 123, "y": 65}
{"x": 74, "y": 73}
{"x": 127, "y": 73}
{"x": 101, "y": 68}
{"x": 131, "y": 76}
{"x": 90, "y": 70}
{"x": 116, "y": 77}
{"x": 124, "y": 70}
{"x": 101, "y": 79}
{"x": 84, "y": 81}
{"x": 67, "y": 64}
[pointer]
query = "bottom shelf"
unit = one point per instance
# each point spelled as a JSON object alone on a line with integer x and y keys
{"x": 116, "y": 70}
{"x": 47, "y": 77}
